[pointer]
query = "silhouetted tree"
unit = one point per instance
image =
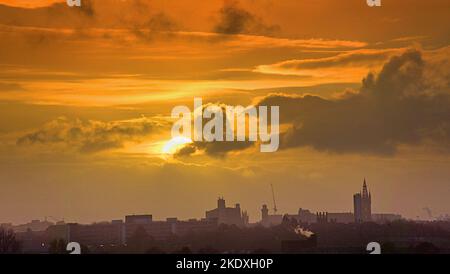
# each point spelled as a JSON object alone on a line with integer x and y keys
{"x": 8, "y": 242}
{"x": 140, "y": 240}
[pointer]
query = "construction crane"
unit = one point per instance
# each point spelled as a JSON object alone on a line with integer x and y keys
{"x": 273, "y": 197}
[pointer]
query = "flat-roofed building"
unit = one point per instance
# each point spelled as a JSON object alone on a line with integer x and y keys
{"x": 97, "y": 234}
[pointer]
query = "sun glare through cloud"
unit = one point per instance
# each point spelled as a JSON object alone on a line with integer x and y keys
{"x": 174, "y": 144}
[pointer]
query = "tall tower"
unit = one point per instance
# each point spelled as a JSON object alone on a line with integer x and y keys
{"x": 264, "y": 213}
{"x": 357, "y": 207}
{"x": 366, "y": 204}
{"x": 362, "y": 205}
{"x": 221, "y": 203}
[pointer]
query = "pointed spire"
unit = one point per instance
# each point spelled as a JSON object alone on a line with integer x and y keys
{"x": 364, "y": 190}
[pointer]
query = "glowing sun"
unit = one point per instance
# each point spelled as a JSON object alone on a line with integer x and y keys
{"x": 171, "y": 146}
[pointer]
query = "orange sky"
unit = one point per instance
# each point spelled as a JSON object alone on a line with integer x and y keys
{"x": 28, "y": 3}
{"x": 125, "y": 64}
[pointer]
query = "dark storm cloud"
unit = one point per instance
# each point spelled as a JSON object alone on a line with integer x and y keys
{"x": 158, "y": 26}
{"x": 215, "y": 149}
{"x": 397, "y": 106}
{"x": 235, "y": 20}
{"x": 131, "y": 14}
{"x": 400, "y": 105}
{"x": 186, "y": 150}
{"x": 92, "y": 136}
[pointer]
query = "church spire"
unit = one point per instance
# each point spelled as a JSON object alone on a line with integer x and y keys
{"x": 365, "y": 192}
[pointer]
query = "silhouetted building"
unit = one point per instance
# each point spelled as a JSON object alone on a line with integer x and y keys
{"x": 264, "y": 212}
{"x": 57, "y": 232}
{"x": 342, "y": 218}
{"x": 97, "y": 234}
{"x": 306, "y": 216}
{"x": 117, "y": 232}
{"x": 226, "y": 215}
{"x": 322, "y": 217}
{"x": 362, "y": 204}
{"x": 268, "y": 220}
{"x": 138, "y": 219}
{"x": 245, "y": 218}
{"x": 303, "y": 216}
{"x": 33, "y": 241}
{"x": 194, "y": 226}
